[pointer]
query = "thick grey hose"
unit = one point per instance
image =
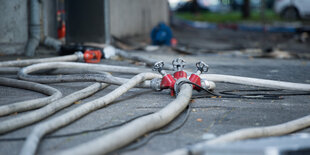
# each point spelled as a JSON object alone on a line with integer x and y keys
{"x": 134, "y": 129}
{"x": 32, "y": 141}
{"x": 37, "y": 115}
{"x": 258, "y": 132}
{"x": 256, "y": 82}
{"x": 9, "y": 70}
{"x": 30, "y": 104}
{"x": 22, "y": 63}
{"x": 84, "y": 66}
{"x": 106, "y": 78}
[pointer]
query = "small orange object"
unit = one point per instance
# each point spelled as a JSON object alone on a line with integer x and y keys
{"x": 199, "y": 120}
{"x": 92, "y": 56}
{"x": 61, "y": 31}
{"x": 173, "y": 42}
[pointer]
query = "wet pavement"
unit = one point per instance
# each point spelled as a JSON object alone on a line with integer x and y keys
{"x": 209, "y": 116}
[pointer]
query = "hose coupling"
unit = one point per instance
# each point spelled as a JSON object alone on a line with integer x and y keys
{"x": 92, "y": 56}
{"x": 156, "y": 84}
{"x": 178, "y": 65}
{"x": 158, "y": 66}
{"x": 202, "y": 67}
{"x": 109, "y": 52}
{"x": 80, "y": 56}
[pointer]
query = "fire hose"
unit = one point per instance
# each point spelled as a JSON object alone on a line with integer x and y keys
{"x": 40, "y": 130}
{"x": 167, "y": 82}
{"x": 53, "y": 93}
{"x": 179, "y": 75}
{"x": 39, "y": 114}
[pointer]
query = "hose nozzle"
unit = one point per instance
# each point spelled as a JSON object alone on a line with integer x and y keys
{"x": 158, "y": 66}
{"x": 178, "y": 64}
{"x": 202, "y": 67}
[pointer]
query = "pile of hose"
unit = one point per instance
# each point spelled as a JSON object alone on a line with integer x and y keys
{"x": 53, "y": 93}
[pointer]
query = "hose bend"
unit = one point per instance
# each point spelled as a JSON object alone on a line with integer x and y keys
{"x": 50, "y": 109}
{"x": 32, "y": 141}
{"x": 136, "y": 128}
{"x": 103, "y": 77}
{"x": 53, "y": 93}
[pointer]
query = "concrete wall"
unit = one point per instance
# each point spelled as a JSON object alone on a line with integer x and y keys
{"x": 13, "y": 26}
{"x": 136, "y": 17}
{"x": 128, "y": 18}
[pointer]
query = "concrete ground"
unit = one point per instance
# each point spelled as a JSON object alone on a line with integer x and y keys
{"x": 209, "y": 116}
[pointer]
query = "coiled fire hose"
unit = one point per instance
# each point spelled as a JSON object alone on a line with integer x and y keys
{"x": 53, "y": 93}
{"x": 39, "y": 114}
{"x": 41, "y": 129}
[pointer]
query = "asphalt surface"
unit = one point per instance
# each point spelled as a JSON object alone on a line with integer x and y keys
{"x": 209, "y": 116}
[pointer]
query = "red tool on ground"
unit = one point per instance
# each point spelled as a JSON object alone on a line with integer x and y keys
{"x": 92, "y": 56}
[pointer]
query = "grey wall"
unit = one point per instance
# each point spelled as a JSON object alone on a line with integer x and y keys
{"x": 136, "y": 17}
{"x": 128, "y": 18}
{"x": 13, "y": 26}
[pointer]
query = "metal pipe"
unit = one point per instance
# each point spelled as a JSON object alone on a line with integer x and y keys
{"x": 34, "y": 28}
{"x": 107, "y": 22}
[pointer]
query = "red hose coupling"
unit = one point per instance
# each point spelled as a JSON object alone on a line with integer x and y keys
{"x": 92, "y": 56}
{"x": 168, "y": 82}
{"x": 195, "y": 79}
{"x": 180, "y": 74}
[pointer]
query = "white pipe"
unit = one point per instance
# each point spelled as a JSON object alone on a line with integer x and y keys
{"x": 102, "y": 77}
{"x": 39, "y": 114}
{"x": 9, "y": 70}
{"x": 32, "y": 141}
{"x": 135, "y": 129}
{"x": 275, "y": 130}
{"x": 242, "y": 134}
{"x": 30, "y": 104}
{"x": 256, "y": 82}
{"x": 97, "y": 67}
{"x": 23, "y": 63}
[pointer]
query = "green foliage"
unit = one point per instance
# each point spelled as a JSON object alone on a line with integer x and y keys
{"x": 229, "y": 17}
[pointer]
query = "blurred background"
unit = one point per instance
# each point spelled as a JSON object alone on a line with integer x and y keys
{"x": 241, "y": 10}
{"x": 189, "y": 26}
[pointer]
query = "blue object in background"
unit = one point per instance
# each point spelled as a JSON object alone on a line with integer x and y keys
{"x": 161, "y": 34}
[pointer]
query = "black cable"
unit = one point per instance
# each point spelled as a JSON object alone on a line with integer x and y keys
{"x": 147, "y": 138}
{"x": 232, "y": 92}
{"x": 80, "y": 132}
{"x": 257, "y": 96}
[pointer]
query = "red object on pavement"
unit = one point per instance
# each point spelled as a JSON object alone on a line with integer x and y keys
{"x": 195, "y": 79}
{"x": 173, "y": 42}
{"x": 168, "y": 82}
{"x": 180, "y": 74}
{"x": 92, "y": 56}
